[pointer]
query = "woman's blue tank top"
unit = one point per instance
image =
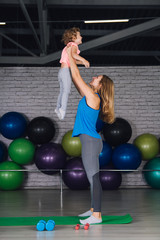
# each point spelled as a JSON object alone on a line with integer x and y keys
{"x": 86, "y": 120}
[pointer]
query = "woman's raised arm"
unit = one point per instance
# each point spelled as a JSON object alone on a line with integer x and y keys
{"x": 80, "y": 84}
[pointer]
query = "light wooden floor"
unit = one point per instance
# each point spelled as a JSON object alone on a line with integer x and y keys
{"x": 142, "y": 204}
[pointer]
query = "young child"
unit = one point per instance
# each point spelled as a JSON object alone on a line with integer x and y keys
{"x": 71, "y": 37}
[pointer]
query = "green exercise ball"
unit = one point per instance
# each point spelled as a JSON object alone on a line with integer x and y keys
{"x": 21, "y": 151}
{"x": 10, "y": 180}
{"x": 152, "y": 177}
{"x": 148, "y": 145}
{"x": 71, "y": 145}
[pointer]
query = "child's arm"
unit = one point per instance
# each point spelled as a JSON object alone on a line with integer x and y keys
{"x": 80, "y": 84}
{"x": 79, "y": 62}
{"x": 77, "y": 57}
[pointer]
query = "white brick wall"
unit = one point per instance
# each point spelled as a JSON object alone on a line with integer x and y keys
{"x": 33, "y": 91}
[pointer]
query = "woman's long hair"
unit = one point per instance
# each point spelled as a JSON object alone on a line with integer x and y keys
{"x": 106, "y": 93}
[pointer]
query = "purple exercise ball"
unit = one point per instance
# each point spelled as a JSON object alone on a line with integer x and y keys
{"x": 50, "y": 156}
{"x": 110, "y": 180}
{"x": 75, "y": 180}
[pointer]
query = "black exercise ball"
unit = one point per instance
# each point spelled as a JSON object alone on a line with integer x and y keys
{"x": 118, "y": 132}
{"x": 41, "y": 130}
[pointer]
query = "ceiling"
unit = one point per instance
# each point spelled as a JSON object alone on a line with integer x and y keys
{"x": 33, "y": 31}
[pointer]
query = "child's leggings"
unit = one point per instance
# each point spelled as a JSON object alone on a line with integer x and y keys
{"x": 91, "y": 148}
{"x": 64, "y": 78}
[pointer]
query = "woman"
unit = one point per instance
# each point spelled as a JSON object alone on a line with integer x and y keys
{"x": 98, "y": 98}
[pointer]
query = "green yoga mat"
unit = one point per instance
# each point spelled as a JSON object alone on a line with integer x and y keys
{"x": 65, "y": 220}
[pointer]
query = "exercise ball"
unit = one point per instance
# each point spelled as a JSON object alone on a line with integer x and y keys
{"x": 3, "y": 152}
{"x": 41, "y": 130}
{"x": 13, "y": 125}
{"x": 118, "y": 132}
{"x": 152, "y": 177}
{"x": 50, "y": 156}
{"x": 148, "y": 145}
{"x": 106, "y": 154}
{"x": 99, "y": 125}
{"x": 110, "y": 180}
{"x": 10, "y": 180}
{"x": 71, "y": 145}
{"x": 21, "y": 151}
{"x": 126, "y": 157}
{"x": 74, "y": 179}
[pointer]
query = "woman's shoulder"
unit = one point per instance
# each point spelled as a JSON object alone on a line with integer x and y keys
{"x": 95, "y": 97}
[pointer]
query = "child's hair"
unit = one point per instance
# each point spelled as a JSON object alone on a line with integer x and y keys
{"x": 69, "y": 35}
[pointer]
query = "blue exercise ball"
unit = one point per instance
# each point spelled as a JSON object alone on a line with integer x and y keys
{"x": 105, "y": 155}
{"x": 126, "y": 157}
{"x": 3, "y": 152}
{"x": 13, "y": 125}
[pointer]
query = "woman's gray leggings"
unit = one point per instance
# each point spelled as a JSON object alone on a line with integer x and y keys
{"x": 91, "y": 148}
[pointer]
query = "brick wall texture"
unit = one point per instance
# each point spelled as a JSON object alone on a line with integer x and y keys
{"x": 33, "y": 91}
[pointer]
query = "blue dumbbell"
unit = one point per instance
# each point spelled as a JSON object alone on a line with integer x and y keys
{"x": 41, "y": 225}
{"x": 50, "y": 225}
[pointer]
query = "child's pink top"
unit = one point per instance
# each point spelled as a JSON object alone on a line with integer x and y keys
{"x": 64, "y": 55}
